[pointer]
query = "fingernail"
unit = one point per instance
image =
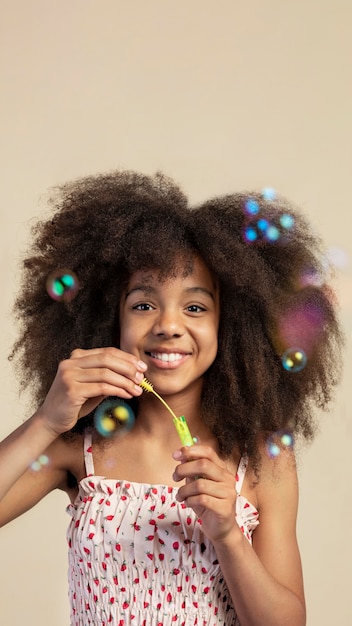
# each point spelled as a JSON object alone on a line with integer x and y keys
{"x": 139, "y": 376}
{"x": 142, "y": 366}
{"x": 138, "y": 390}
{"x": 177, "y": 455}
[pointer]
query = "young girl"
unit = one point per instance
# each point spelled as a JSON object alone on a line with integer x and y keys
{"x": 224, "y": 308}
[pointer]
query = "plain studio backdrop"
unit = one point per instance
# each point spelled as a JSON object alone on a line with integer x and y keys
{"x": 222, "y": 96}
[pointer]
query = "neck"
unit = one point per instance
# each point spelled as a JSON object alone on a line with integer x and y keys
{"x": 154, "y": 417}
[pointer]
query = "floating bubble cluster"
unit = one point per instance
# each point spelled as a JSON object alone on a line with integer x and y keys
{"x": 259, "y": 227}
{"x": 294, "y": 360}
{"x": 113, "y": 418}
{"x": 277, "y": 442}
{"x": 40, "y": 462}
{"x": 62, "y": 285}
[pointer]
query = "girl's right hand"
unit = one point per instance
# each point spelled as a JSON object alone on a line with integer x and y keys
{"x": 85, "y": 379}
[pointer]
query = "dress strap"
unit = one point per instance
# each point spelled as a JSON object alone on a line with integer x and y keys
{"x": 88, "y": 454}
{"x": 241, "y": 472}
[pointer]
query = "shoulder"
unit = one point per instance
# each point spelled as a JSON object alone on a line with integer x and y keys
{"x": 277, "y": 484}
{"x": 66, "y": 454}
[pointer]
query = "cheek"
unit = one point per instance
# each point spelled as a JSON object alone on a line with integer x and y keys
{"x": 210, "y": 343}
{"x": 125, "y": 337}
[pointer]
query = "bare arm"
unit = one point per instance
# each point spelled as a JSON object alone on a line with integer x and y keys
{"x": 80, "y": 384}
{"x": 264, "y": 581}
{"x": 20, "y": 487}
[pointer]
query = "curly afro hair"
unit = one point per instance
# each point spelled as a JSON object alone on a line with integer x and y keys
{"x": 273, "y": 296}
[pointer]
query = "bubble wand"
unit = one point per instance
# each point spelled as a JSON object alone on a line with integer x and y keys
{"x": 180, "y": 422}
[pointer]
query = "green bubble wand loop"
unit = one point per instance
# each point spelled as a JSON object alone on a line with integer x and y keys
{"x": 180, "y": 422}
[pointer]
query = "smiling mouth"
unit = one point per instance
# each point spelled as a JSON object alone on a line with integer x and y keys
{"x": 167, "y": 357}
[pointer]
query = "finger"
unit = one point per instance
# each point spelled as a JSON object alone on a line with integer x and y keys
{"x": 189, "y": 453}
{"x": 205, "y": 493}
{"x": 110, "y": 382}
{"x": 202, "y": 468}
{"x": 104, "y": 360}
{"x": 109, "y": 357}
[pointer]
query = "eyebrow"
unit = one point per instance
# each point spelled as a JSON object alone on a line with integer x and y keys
{"x": 148, "y": 289}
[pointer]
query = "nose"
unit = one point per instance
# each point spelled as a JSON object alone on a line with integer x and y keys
{"x": 168, "y": 324}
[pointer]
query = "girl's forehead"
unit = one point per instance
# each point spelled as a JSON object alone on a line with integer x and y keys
{"x": 195, "y": 271}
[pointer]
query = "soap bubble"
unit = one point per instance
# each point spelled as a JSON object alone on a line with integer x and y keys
{"x": 287, "y": 439}
{"x": 40, "y": 462}
{"x": 277, "y": 442}
{"x": 273, "y": 449}
{"x": 113, "y": 418}
{"x": 287, "y": 221}
{"x": 251, "y": 206}
{"x": 294, "y": 360}
{"x": 272, "y": 233}
{"x": 250, "y": 234}
{"x": 310, "y": 277}
{"x": 338, "y": 257}
{"x": 62, "y": 285}
{"x": 269, "y": 194}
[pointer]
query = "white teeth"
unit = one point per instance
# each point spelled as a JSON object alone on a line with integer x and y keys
{"x": 167, "y": 357}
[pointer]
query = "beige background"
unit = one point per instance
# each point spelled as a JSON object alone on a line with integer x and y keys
{"x": 222, "y": 96}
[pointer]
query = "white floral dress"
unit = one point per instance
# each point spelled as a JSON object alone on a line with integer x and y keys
{"x": 137, "y": 556}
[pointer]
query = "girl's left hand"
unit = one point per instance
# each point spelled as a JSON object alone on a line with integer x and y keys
{"x": 210, "y": 489}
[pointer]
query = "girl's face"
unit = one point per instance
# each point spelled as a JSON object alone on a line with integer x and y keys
{"x": 172, "y": 325}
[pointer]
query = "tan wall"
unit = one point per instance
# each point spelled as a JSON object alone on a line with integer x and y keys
{"x": 222, "y": 96}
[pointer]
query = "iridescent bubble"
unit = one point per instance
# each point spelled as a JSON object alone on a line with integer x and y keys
{"x": 272, "y": 448}
{"x": 338, "y": 257}
{"x": 262, "y": 224}
{"x": 113, "y": 418}
{"x": 287, "y": 439}
{"x": 251, "y": 206}
{"x": 250, "y": 234}
{"x": 40, "y": 462}
{"x": 310, "y": 277}
{"x": 279, "y": 441}
{"x": 269, "y": 194}
{"x": 294, "y": 360}
{"x": 287, "y": 221}
{"x": 62, "y": 285}
{"x": 272, "y": 233}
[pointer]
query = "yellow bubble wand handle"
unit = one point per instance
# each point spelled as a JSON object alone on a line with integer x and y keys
{"x": 183, "y": 431}
{"x": 180, "y": 422}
